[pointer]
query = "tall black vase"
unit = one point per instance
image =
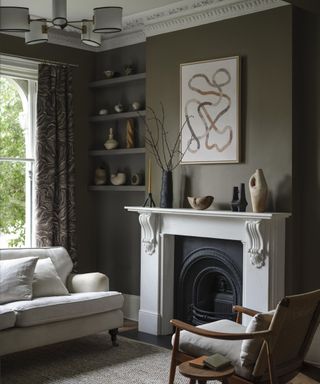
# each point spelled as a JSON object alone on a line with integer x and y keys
{"x": 166, "y": 195}
{"x": 242, "y": 200}
{"x": 235, "y": 199}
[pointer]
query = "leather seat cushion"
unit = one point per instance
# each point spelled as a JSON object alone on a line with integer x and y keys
{"x": 44, "y": 310}
{"x": 7, "y": 318}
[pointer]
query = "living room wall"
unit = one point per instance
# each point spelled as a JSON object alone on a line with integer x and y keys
{"x": 82, "y": 108}
{"x": 264, "y": 43}
{"x": 306, "y": 128}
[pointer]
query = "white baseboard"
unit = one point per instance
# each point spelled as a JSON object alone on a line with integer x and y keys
{"x": 131, "y": 307}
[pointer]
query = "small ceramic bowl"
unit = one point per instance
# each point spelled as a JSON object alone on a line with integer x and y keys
{"x": 118, "y": 179}
{"x": 119, "y": 108}
{"x": 109, "y": 74}
{"x": 136, "y": 105}
{"x": 200, "y": 202}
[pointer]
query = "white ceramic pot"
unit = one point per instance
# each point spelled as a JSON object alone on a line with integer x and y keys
{"x": 118, "y": 179}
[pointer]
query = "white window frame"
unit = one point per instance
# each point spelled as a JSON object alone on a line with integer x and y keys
{"x": 17, "y": 68}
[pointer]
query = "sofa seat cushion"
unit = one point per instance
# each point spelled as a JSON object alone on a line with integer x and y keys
{"x": 7, "y": 318}
{"x": 44, "y": 310}
{"x": 195, "y": 345}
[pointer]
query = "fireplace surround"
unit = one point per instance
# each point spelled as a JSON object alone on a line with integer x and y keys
{"x": 263, "y": 239}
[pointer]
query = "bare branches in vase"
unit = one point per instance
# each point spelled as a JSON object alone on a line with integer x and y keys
{"x": 167, "y": 156}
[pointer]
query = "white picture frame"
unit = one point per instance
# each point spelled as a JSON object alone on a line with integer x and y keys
{"x": 210, "y": 111}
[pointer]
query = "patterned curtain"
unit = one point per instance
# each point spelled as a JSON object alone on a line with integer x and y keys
{"x": 55, "y": 170}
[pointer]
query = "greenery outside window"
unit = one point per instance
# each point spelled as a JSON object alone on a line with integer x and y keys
{"x": 18, "y": 89}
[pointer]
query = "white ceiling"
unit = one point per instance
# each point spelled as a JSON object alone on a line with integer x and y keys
{"x": 80, "y": 9}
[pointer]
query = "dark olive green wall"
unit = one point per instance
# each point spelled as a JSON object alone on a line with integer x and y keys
{"x": 306, "y": 127}
{"x": 82, "y": 108}
{"x": 264, "y": 43}
{"x": 266, "y": 98}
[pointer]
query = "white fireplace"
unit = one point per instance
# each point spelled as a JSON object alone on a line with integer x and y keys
{"x": 263, "y": 239}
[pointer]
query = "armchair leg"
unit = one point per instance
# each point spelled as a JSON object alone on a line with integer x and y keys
{"x": 113, "y": 333}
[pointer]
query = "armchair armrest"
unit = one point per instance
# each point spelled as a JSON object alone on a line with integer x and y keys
{"x": 180, "y": 325}
{"x": 245, "y": 310}
{"x": 87, "y": 282}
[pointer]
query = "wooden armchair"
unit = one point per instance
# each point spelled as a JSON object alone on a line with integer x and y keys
{"x": 270, "y": 350}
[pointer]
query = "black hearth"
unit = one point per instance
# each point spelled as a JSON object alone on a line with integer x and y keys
{"x": 208, "y": 279}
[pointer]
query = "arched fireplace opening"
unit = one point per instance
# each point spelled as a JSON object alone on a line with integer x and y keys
{"x": 208, "y": 280}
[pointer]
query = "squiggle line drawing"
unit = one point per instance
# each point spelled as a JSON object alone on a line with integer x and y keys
{"x": 210, "y": 123}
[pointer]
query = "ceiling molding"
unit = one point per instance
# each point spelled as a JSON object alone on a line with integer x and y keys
{"x": 69, "y": 39}
{"x": 209, "y": 11}
{"x": 181, "y": 15}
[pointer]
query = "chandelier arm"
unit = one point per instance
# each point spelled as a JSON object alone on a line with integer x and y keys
{"x": 78, "y": 21}
{"x": 74, "y": 26}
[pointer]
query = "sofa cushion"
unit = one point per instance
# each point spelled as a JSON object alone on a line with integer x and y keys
{"x": 58, "y": 255}
{"x": 46, "y": 281}
{"x": 44, "y": 310}
{"x": 7, "y": 318}
{"x": 250, "y": 348}
{"x": 16, "y": 279}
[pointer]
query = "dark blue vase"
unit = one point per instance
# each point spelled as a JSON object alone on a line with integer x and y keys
{"x": 166, "y": 195}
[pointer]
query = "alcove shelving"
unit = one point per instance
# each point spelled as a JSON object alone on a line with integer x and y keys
{"x": 111, "y": 92}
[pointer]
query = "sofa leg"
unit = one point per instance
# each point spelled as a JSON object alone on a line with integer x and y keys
{"x": 113, "y": 334}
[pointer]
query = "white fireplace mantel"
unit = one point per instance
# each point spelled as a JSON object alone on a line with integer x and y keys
{"x": 263, "y": 239}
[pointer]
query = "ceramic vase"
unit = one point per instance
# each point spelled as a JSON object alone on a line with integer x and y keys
{"x": 111, "y": 143}
{"x": 166, "y": 195}
{"x": 100, "y": 176}
{"x": 258, "y": 191}
{"x": 235, "y": 199}
{"x": 242, "y": 199}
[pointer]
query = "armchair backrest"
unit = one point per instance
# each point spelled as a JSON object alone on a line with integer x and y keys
{"x": 293, "y": 326}
{"x": 58, "y": 255}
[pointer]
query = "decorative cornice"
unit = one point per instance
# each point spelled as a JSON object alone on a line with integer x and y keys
{"x": 68, "y": 39}
{"x": 181, "y": 15}
{"x": 196, "y": 13}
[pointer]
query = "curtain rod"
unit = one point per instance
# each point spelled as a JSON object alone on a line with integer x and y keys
{"x": 38, "y": 61}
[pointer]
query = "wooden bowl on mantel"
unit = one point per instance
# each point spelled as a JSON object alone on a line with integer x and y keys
{"x": 200, "y": 202}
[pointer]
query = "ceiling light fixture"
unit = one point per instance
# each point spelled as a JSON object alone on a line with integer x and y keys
{"x": 18, "y": 19}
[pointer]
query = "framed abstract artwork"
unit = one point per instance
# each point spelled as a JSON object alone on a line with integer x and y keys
{"x": 210, "y": 111}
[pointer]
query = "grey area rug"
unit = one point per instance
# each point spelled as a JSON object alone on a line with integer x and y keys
{"x": 90, "y": 360}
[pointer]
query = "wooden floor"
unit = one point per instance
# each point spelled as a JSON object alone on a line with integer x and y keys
{"x": 303, "y": 379}
{"x": 309, "y": 375}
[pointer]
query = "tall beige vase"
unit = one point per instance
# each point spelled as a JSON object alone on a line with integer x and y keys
{"x": 258, "y": 191}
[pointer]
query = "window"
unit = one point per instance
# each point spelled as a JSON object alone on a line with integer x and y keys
{"x": 18, "y": 87}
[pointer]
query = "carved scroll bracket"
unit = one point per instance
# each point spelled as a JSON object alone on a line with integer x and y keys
{"x": 148, "y": 226}
{"x": 255, "y": 243}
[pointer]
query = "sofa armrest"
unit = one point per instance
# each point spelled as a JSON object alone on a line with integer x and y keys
{"x": 87, "y": 282}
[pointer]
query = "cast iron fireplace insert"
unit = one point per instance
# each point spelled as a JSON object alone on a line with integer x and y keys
{"x": 208, "y": 279}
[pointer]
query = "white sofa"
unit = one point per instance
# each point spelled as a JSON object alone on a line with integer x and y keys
{"x": 87, "y": 307}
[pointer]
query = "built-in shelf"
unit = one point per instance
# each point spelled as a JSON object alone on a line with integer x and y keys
{"x": 117, "y": 116}
{"x": 115, "y": 152}
{"x": 117, "y": 80}
{"x": 119, "y": 188}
